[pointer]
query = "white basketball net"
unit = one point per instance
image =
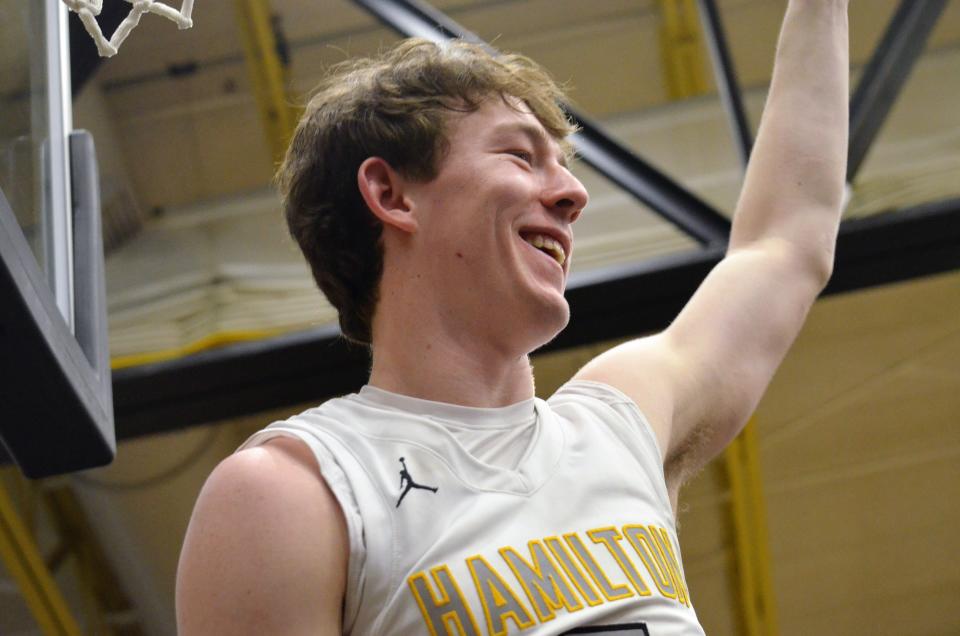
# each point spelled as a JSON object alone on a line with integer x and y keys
{"x": 88, "y": 10}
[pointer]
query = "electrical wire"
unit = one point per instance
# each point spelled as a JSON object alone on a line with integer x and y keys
{"x": 161, "y": 477}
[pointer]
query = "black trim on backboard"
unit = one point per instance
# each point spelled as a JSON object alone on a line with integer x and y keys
{"x": 55, "y": 415}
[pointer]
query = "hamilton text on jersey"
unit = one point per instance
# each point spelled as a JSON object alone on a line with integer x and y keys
{"x": 561, "y": 574}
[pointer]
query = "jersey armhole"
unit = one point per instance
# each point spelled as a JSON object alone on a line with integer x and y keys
{"x": 337, "y": 481}
{"x": 629, "y": 412}
{"x": 614, "y": 397}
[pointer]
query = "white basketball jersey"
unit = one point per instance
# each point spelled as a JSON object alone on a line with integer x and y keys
{"x": 576, "y": 536}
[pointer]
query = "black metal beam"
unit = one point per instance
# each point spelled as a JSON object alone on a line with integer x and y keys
{"x": 660, "y": 193}
{"x": 236, "y": 380}
{"x": 617, "y": 302}
{"x": 419, "y": 19}
{"x": 885, "y": 74}
{"x": 897, "y": 246}
{"x": 725, "y": 76}
{"x": 673, "y": 202}
{"x": 605, "y": 304}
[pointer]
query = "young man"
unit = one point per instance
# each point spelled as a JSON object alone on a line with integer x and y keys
{"x": 430, "y": 193}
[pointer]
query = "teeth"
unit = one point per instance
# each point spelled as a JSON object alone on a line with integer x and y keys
{"x": 548, "y": 244}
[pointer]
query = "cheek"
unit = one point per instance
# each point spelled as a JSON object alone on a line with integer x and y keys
{"x": 472, "y": 219}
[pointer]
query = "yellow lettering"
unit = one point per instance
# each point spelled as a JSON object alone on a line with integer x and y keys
{"x": 545, "y": 586}
{"x": 499, "y": 601}
{"x": 610, "y": 538}
{"x": 574, "y": 573}
{"x": 610, "y": 592}
{"x": 664, "y": 544}
{"x": 653, "y": 559}
{"x": 444, "y": 612}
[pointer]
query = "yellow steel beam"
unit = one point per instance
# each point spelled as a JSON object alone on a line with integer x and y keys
{"x": 267, "y": 73}
{"x": 24, "y": 563}
{"x": 103, "y": 594}
{"x": 681, "y": 49}
{"x": 758, "y": 604}
{"x": 743, "y": 543}
{"x": 766, "y": 600}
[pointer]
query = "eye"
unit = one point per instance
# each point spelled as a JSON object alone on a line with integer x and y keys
{"x": 523, "y": 155}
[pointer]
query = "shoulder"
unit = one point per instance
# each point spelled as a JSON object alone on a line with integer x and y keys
{"x": 277, "y": 476}
{"x": 644, "y": 373}
{"x": 266, "y": 549}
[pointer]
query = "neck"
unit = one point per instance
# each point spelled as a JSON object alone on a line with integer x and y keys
{"x": 427, "y": 356}
{"x": 444, "y": 371}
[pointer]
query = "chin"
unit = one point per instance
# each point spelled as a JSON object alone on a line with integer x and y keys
{"x": 549, "y": 320}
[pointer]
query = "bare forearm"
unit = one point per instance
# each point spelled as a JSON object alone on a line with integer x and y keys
{"x": 794, "y": 184}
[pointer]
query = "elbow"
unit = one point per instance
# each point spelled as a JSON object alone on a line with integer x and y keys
{"x": 821, "y": 262}
{"x": 820, "y": 269}
{"x": 812, "y": 272}
{"x": 810, "y": 261}
{"x": 814, "y": 259}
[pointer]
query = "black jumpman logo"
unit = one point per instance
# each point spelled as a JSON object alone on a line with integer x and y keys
{"x": 405, "y": 478}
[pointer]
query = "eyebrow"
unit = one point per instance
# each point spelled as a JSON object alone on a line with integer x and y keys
{"x": 536, "y": 135}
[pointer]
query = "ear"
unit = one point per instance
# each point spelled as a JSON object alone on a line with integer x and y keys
{"x": 382, "y": 189}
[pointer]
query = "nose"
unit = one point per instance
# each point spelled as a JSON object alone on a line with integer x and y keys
{"x": 564, "y": 194}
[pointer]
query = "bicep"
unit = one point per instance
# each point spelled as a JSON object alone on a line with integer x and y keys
{"x": 700, "y": 379}
{"x": 266, "y": 549}
{"x": 730, "y": 338}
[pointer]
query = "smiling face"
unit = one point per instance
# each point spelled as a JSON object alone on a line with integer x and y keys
{"x": 494, "y": 234}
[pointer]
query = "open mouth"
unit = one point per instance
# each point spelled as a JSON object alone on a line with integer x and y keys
{"x": 546, "y": 244}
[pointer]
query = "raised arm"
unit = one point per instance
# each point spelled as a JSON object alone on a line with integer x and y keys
{"x": 266, "y": 550}
{"x": 700, "y": 379}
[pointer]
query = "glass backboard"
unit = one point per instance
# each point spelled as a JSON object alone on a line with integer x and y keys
{"x": 55, "y": 397}
{"x": 34, "y": 121}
